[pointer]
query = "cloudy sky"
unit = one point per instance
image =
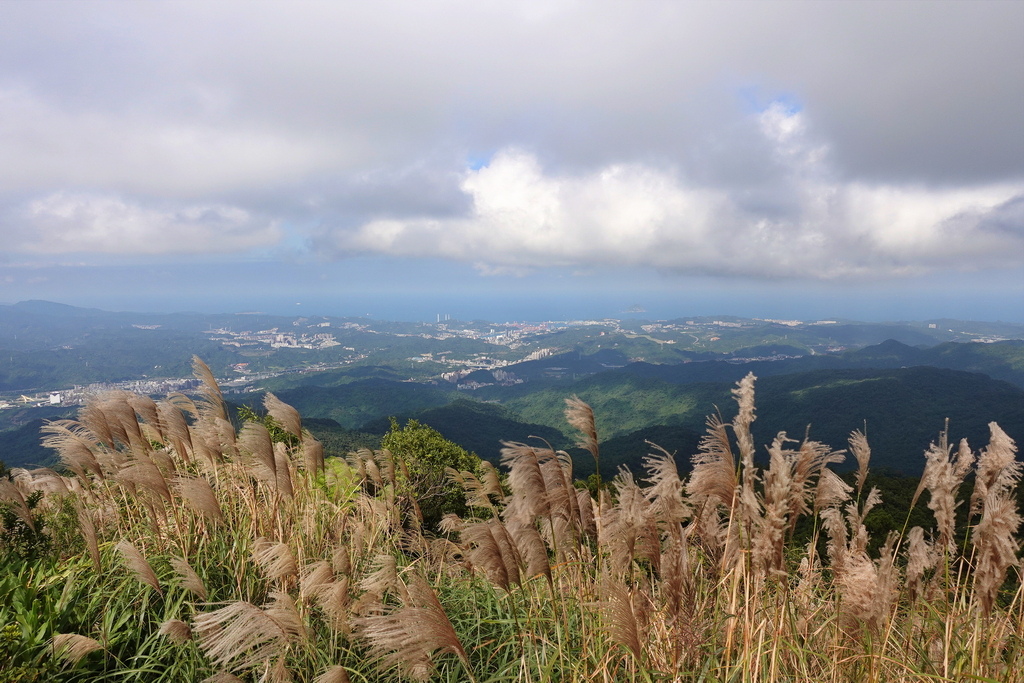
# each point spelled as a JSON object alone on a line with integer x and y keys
{"x": 400, "y": 159}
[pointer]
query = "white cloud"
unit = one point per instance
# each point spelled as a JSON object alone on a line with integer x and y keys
{"x": 637, "y": 215}
{"x": 69, "y": 223}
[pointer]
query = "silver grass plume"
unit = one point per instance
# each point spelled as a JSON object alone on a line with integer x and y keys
{"x": 921, "y": 556}
{"x": 275, "y": 559}
{"x": 335, "y": 674}
{"x": 862, "y": 454}
{"x": 138, "y": 565}
{"x": 72, "y": 647}
{"x": 713, "y": 478}
{"x": 995, "y": 535}
{"x": 176, "y": 631}
{"x": 581, "y": 417}
{"x": 665, "y": 492}
{"x": 9, "y": 493}
{"x": 241, "y": 635}
{"x": 493, "y": 551}
{"x": 88, "y": 531}
{"x": 213, "y": 403}
{"x": 222, "y": 677}
{"x": 744, "y": 394}
{"x": 626, "y": 613}
{"x": 312, "y": 453}
{"x": 629, "y": 530}
{"x": 284, "y": 414}
{"x": 943, "y": 474}
{"x": 197, "y": 492}
{"x": 189, "y": 579}
{"x": 409, "y": 637}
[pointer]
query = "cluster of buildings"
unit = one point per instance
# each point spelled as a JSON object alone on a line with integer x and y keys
{"x": 275, "y": 339}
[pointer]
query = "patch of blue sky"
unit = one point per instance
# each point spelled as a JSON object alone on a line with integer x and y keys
{"x": 754, "y": 99}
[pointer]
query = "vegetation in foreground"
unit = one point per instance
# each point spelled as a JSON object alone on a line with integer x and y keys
{"x": 173, "y": 547}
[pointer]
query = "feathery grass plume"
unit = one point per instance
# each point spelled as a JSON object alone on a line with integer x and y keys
{"x": 197, "y": 492}
{"x": 122, "y": 422}
{"x": 713, "y": 478}
{"x": 143, "y": 472}
{"x": 176, "y": 631}
{"x": 666, "y": 489}
{"x": 74, "y": 445}
{"x": 176, "y": 430}
{"x": 476, "y": 496}
{"x": 146, "y": 407}
{"x": 281, "y": 609}
{"x": 494, "y": 551}
{"x": 384, "y": 578}
{"x": 222, "y": 677}
{"x": 88, "y": 531}
{"x": 278, "y": 672}
{"x": 491, "y": 480}
{"x": 315, "y": 577}
{"x": 921, "y": 556}
{"x": 629, "y": 530}
{"x": 995, "y": 536}
{"x": 409, "y": 637}
{"x": 867, "y": 588}
{"x": 188, "y": 578}
{"x": 9, "y": 493}
{"x": 838, "y": 538}
{"x": 138, "y": 565}
{"x": 312, "y": 453}
{"x": 72, "y": 647}
{"x": 831, "y": 491}
{"x": 386, "y": 465}
{"x": 335, "y": 674}
{"x": 334, "y": 599}
{"x": 942, "y": 476}
{"x": 997, "y": 468}
{"x": 809, "y": 466}
{"x": 562, "y": 500}
{"x": 580, "y": 416}
{"x": 283, "y": 467}
{"x": 275, "y": 559}
{"x": 255, "y": 440}
{"x": 240, "y": 636}
{"x": 529, "y": 498}
{"x": 744, "y": 394}
{"x": 532, "y": 551}
{"x": 770, "y": 529}
{"x": 677, "y": 582}
{"x": 284, "y": 414}
{"x": 626, "y": 613}
{"x": 93, "y": 419}
{"x": 855, "y": 518}
{"x": 213, "y": 399}
{"x": 586, "y": 504}
{"x": 862, "y": 454}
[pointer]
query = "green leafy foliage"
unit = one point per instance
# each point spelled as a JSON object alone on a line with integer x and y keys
{"x": 426, "y": 455}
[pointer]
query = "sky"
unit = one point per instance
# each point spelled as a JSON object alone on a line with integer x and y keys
{"x": 529, "y": 160}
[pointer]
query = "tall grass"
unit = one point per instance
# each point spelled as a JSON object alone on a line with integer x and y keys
{"x": 192, "y": 551}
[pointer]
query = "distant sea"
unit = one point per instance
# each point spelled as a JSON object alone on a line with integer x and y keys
{"x": 503, "y": 307}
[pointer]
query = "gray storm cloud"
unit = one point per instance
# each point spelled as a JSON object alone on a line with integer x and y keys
{"x": 796, "y": 139}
